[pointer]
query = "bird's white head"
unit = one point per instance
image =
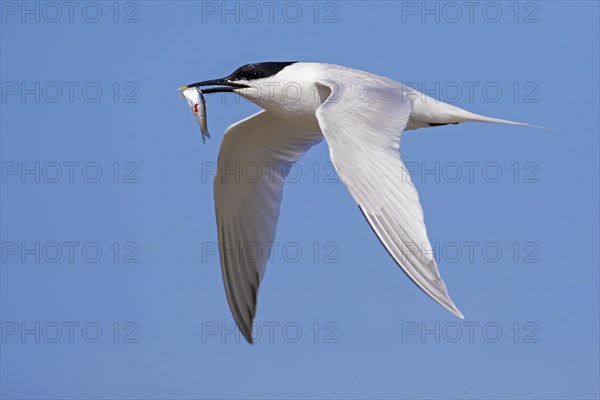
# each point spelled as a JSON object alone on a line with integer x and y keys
{"x": 286, "y": 89}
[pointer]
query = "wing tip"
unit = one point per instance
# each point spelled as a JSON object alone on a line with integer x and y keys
{"x": 247, "y": 333}
{"x": 453, "y": 309}
{"x": 459, "y": 314}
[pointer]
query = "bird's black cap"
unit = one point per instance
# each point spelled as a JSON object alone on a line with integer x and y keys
{"x": 261, "y": 70}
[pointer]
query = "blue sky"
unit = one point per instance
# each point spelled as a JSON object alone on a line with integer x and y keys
{"x": 110, "y": 286}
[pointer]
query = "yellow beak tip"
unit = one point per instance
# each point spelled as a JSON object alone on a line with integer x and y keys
{"x": 182, "y": 88}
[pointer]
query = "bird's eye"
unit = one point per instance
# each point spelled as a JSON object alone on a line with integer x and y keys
{"x": 247, "y": 73}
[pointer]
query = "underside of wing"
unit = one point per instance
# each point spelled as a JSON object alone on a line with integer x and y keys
{"x": 362, "y": 126}
{"x": 253, "y": 160}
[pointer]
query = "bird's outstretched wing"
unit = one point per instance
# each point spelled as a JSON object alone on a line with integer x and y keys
{"x": 362, "y": 126}
{"x": 253, "y": 160}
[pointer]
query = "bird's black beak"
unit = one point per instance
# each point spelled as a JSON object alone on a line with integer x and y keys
{"x": 222, "y": 85}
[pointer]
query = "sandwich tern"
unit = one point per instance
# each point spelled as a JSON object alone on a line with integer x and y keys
{"x": 361, "y": 116}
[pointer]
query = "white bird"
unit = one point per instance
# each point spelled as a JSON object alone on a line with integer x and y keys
{"x": 362, "y": 117}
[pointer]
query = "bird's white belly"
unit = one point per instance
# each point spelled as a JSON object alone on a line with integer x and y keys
{"x": 297, "y": 102}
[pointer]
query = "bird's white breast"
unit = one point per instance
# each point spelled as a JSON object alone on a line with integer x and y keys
{"x": 292, "y": 95}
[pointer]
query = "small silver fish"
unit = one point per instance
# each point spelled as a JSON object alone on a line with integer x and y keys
{"x": 195, "y": 99}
